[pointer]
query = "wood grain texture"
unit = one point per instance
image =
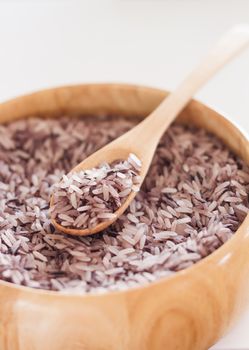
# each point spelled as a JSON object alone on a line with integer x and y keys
{"x": 188, "y": 311}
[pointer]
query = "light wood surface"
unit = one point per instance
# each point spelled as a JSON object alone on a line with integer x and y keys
{"x": 143, "y": 139}
{"x": 189, "y": 310}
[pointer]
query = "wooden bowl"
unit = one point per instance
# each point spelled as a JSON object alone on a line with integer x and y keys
{"x": 188, "y": 311}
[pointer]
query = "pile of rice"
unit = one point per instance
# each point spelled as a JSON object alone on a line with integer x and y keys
{"x": 86, "y": 198}
{"x": 192, "y": 201}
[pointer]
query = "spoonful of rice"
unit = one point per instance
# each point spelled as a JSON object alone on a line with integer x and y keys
{"x": 100, "y": 188}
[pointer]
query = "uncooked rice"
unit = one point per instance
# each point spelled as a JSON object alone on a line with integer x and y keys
{"x": 192, "y": 201}
{"x": 84, "y": 199}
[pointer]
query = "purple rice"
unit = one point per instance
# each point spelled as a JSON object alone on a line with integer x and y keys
{"x": 84, "y": 199}
{"x": 192, "y": 201}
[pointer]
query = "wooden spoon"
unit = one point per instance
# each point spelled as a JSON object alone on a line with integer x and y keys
{"x": 143, "y": 139}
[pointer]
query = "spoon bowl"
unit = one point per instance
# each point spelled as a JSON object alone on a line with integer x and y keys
{"x": 92, "y": 161}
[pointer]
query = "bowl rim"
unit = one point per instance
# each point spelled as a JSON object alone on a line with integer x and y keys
{"x": 167, "y": 279}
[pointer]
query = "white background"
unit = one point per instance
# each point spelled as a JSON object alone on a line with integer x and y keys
{"x": 47, "y": 43}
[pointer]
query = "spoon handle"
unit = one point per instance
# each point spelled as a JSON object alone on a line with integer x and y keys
{"x": 143, "y": 139}
{"x": 225, "y": 50}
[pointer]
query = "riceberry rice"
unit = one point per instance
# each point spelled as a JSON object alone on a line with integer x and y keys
{"x": 85, "y": 199}
{"x": 192, "y": 201}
